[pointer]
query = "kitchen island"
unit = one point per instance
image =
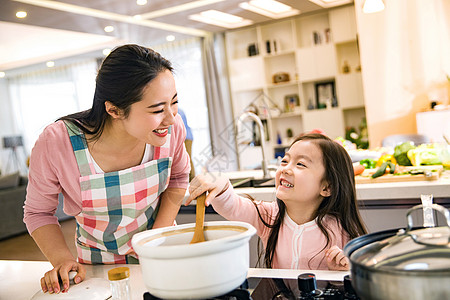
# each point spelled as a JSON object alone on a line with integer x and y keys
{"x": 19, "y": 280}
{"x": 382, "y": 205}
{"x": 366, "y": 193}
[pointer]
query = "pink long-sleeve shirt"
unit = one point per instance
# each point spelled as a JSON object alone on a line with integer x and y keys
{"x": 297, "y": 245}
{"x": 54, "y": 170}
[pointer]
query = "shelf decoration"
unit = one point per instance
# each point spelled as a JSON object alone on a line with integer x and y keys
{"x": 325, "y": 95}
{"x": 345, "y": 68}
{"x": 291, "y": 102}
{"x": 280, "y": 77}
{"x": 273, "y": 46}
{"x": 252, "y": 49}
{"x": 265, "y": 106}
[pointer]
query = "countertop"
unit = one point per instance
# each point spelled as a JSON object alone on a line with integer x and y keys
{"x": 373, "y": 191}
{"x": 20, "y": 280}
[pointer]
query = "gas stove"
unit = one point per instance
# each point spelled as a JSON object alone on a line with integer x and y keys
{"x": 305, "y": 287}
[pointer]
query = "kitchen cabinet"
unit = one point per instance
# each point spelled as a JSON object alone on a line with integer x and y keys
{"x": 307, "y": 51}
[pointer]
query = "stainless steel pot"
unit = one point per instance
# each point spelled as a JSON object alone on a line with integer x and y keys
{"x": 402, "y": 264}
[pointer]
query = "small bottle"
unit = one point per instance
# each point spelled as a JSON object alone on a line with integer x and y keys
{"x": 279, "y": 141}
{"x": 119, "y": 279}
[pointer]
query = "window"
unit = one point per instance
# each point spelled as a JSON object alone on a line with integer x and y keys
{"x": 186, "y": 58}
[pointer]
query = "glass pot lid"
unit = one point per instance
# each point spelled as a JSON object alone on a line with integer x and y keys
{"x": 421, "y": 250}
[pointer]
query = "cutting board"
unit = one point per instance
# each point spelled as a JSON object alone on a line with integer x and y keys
{"x": 365, "y": 177}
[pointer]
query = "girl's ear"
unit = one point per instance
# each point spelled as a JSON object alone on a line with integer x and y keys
{"x": 326, "y": 190}
{"x": 113, "y": 110}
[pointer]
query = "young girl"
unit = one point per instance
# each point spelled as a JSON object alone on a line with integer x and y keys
{"x": 315, "y": 213}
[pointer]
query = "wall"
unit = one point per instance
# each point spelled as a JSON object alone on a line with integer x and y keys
{"x": 404, "y": 58}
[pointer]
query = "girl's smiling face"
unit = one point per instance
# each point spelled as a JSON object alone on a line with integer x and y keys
{"x": 300, "y": 177}
{"x": 150, "y": 118}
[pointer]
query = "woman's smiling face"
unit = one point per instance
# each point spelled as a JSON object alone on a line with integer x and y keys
{"x": 150, "y": 118}
{"x": 299, "y": 179}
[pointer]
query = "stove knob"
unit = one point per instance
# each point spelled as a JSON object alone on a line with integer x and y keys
{"x": 348, "y": 288}
{"x": 307, "y": 282}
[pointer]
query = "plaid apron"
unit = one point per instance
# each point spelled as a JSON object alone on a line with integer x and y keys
{"x": 116, "y": 205}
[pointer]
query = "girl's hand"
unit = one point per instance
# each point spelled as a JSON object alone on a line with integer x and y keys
{"x": 214, "y": 183}
{"x": 50, "y": 281}
{"x": 336, "y": 259}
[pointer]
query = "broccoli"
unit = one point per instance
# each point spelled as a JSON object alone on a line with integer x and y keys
{"x": 401, "y": 153}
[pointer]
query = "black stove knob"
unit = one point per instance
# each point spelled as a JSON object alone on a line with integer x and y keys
{"x": 348, "y": 288}
{"x": 307, "y": 283}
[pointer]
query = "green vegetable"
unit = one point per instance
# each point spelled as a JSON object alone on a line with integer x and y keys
{"x": 368, "y": 163}
{"x": 424, "y": 155}
{"x": 401, "y": 153}
{"x": 391, "y": 167}
{"x": 381, "y": 170}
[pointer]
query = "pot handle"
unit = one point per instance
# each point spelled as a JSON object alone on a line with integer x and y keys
{"x": 436, "y": 207}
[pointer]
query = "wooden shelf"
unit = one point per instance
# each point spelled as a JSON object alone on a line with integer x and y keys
{"x": 306, "y": 63}
{"x": 288, "y": 115}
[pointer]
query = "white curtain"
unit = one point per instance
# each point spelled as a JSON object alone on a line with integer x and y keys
{"x": 186, "y": 58}
{"x": 219, "y": 102}
{"x": 40, "y": 97}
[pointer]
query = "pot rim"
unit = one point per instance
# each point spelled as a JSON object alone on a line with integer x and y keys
{"x": 356, "y": 248}
{"x": 412, "y": 273}
{"x": 191, "y": 250}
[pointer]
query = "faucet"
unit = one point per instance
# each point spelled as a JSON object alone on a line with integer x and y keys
{"x": 257, "y": 120}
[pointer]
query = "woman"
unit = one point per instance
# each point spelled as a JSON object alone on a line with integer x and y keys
{"x": 121, "y": 166}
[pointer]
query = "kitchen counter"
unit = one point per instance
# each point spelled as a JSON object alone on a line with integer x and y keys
{"x": 19, "y": 280}
{"x": 382, "y": 206}
{"x": 364, "y": 192}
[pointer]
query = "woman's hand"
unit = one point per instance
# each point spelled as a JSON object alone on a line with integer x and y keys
{"x": 336, "y": 259}
{"x": 50, "y": 282}
{"x": 214, "y": 183}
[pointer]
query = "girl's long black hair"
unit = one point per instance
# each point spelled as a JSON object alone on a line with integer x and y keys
{"x": 121, "y": 80}
{"x": 341, "y": 204}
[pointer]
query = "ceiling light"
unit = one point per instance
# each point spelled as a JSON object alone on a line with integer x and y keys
{"x": 141, "y": 2}
{"x": 218, "y": 18}
{"x": 50, "y": 64}
{"x": 179, "y": 8}
{"x": 270, "y": 8}
{"x": 170, "y": 38}
{"x": 373, "y": 6}
{"x": 330, "y": 3}
{"x": 106, "y": 51}
{"x": 21, "y": 14}
{"x": 138, "y": 17}
{"x": 2, "y": 74}
{"x": 87, "y": 11}
{"x": 109, "y": 29}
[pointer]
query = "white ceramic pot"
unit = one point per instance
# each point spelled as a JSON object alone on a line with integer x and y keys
{"x": 174, "y": 269}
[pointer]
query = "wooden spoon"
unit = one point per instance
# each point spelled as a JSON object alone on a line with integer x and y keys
{"x": 199, "y": 220}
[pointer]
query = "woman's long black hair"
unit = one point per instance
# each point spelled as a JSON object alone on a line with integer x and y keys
{"x": 121, "y": 80}
{"x": 341, "y": 204}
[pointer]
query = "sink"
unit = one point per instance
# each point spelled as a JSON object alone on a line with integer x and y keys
{"x": 252, "y": 182}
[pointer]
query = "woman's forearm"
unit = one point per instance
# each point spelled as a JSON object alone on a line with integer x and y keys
{"x": 171, "y": 200}
{"x": 50, "y": 240}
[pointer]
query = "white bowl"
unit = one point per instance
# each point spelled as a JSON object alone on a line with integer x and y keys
{"x": 174, "y": 269}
